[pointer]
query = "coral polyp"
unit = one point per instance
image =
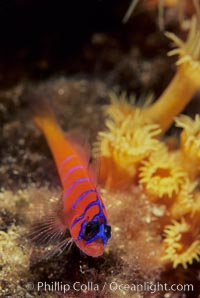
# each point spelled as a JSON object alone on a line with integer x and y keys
{"x": 161, "y": 175}
{"x": 186, "y": 81}
{"x": 182, "y": 243}
{"x": 190, "y": 140}
{"x": 125, "y": 146}
{"x": 120, "y": 108}
{"x": 188, "y": 52}
{"x": 183, "y": 202}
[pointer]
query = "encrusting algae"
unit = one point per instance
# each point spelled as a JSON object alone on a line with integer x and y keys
{"x": 132, "y": 153}
{"x": 14, "y": 259}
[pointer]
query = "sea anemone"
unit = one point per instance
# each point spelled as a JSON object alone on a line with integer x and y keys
{"x": 185, "y": 83}
{"x": 161, "y": 175}
{"x": 181, "y": 243}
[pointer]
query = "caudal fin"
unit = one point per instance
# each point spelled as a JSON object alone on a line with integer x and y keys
{"x": 38, "y": 100}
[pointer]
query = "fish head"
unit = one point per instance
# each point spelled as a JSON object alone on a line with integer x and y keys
{"x": 93, "y": 238}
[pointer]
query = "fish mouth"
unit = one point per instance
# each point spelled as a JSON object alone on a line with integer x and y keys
{"x": 95, "y": 248}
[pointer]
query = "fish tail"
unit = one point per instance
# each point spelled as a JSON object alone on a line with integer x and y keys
{"x": 42, "y": 113}
{"x": 40, "y": 109}
{"x": 44, "y": 121}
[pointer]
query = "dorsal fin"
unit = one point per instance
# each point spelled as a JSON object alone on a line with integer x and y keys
{"x": 79, "y": 141}
{"x": 94, "y": 169}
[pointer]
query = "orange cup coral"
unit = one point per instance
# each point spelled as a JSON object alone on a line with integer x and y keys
{"x": 161, "y": 175}
{"x": 132, "y": 153}
{"x": 190, "y": 142}
{"x": 126, "y": 146}
{"x": 183, "y": 202}
{"x": 185, "y": 83}
{"x": 182, "y": 243}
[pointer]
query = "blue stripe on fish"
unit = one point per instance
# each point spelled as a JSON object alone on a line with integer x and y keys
{"x": 70, "y": 171}
{"x": 66, "y": 160}
{"x": 74, "y": 184}
{"x": 83, "y": 195}
{"x": 83, "y": 214}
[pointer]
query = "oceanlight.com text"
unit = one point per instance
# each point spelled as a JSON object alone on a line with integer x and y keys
{"x": 151, "y": 287}
{"x": 109, "y": 286}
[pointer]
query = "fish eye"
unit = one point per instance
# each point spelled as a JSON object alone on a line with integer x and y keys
{"x": 107, "y": 231}
{"x": 91, "y": 229}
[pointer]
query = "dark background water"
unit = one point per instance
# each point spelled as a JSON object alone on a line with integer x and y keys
{"x": 40, "y": 37}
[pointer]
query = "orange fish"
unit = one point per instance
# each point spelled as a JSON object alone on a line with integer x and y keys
{"x": 84, "y": 213}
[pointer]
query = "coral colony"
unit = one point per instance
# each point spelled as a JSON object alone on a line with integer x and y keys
{"x": 133, "y": 153}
